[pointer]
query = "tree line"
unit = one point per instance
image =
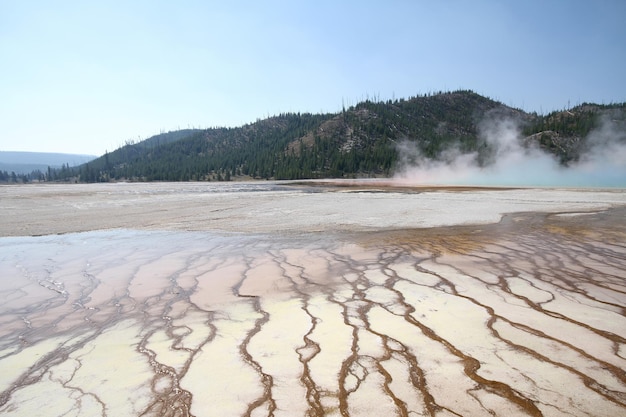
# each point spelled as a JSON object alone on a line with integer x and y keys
{"x": 358, "y": 141}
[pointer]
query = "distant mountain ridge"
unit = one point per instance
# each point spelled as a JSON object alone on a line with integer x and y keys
{"x": 360, "y": 141}
{"x": 26, "y": 162}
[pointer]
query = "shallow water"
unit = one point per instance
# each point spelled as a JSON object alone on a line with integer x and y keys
{"x": 520, "y": 317}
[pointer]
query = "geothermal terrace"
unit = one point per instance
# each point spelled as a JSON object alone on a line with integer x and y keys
{"x": 331, "y": 299}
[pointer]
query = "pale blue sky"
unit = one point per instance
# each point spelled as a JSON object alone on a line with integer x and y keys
{"x": 85, "y": 76}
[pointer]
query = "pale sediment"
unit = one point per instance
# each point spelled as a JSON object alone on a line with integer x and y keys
{"x": 521, "y": 317}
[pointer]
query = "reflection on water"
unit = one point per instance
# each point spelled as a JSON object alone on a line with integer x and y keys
{"x": 525, "y": 317}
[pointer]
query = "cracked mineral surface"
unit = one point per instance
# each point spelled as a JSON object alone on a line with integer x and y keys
{"x": 331, "y": 299}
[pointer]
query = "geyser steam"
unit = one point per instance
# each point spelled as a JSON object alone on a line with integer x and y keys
{"x": 513, "y": 161}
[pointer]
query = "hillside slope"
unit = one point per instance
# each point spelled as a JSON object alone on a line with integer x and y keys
{"x": 360, "y": 141}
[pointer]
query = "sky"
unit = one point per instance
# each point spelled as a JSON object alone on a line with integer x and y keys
{"x": 85, "y": 77}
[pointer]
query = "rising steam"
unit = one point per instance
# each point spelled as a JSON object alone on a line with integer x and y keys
{"x": 512, "y": 161}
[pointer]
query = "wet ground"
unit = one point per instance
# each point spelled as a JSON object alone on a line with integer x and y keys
{"x": 268, "y": 300}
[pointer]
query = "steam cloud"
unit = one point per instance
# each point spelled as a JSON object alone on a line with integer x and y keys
{"x": 515, "y": 163}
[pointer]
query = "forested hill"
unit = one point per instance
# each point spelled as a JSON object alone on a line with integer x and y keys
{"x": 358, "y": 141}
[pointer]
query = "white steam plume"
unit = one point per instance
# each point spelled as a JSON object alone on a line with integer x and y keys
{"x": 512, "y": 163}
